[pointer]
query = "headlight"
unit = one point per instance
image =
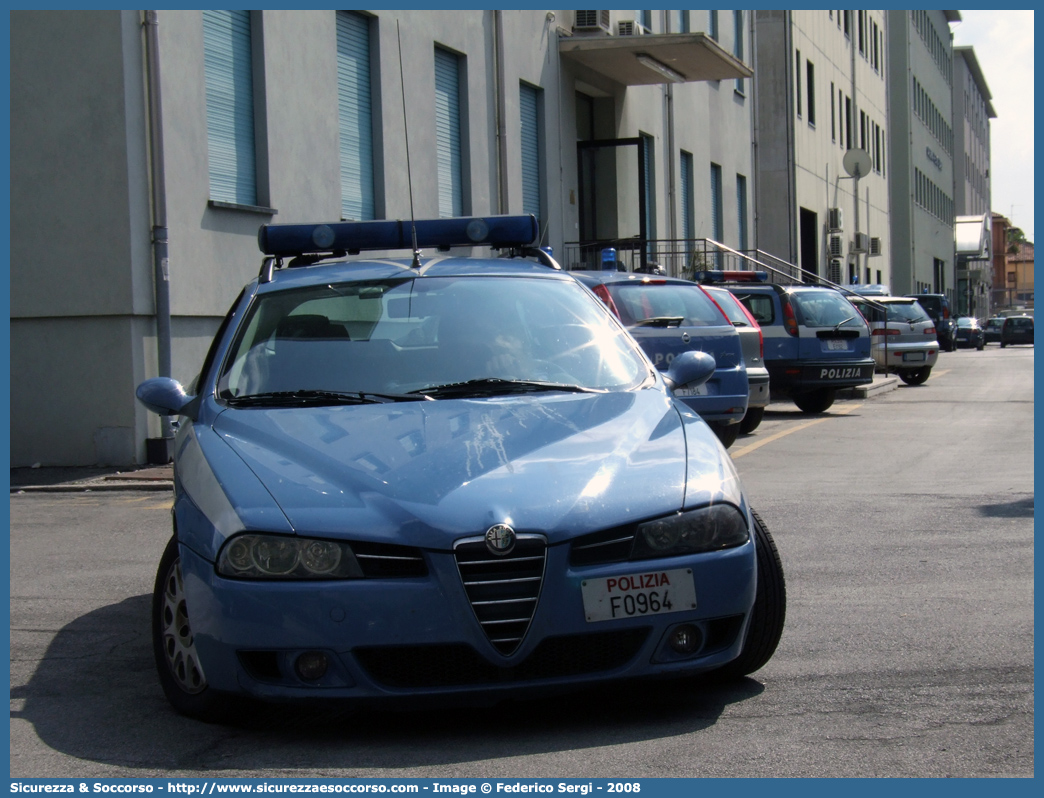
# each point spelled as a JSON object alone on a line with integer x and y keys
{"x": 281, "y": 557}
{"x": 707, "y": 529}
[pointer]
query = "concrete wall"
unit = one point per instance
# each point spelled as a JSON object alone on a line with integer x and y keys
{"x": 800, "y": 157}
{"x": 81, "y": 275}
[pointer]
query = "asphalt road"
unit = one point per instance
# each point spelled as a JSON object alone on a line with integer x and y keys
{"x": 905, "y": 525}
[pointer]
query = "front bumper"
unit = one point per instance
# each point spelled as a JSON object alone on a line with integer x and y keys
{"x": 420, "y": 637}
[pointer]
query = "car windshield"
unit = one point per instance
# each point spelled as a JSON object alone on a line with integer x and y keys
{"x": 967, "y": 321}
{"x": 825, "y": 308}
{"x": 730, "y": 306}
{"x": 671, "y": 304}
{"x": 399, "y": 336}
{"x": 932, "y": 304}
{"x": 910, "y": 312}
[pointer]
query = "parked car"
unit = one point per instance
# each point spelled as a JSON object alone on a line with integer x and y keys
{"x": 938, "y": 307}
{"x": 969, "y": 333}
{"x": 816, "y": 342}
{"x": 753, "y": 355}
{"x": 902, "y": 335}
{"x": 1017, "y": 330}
{"x": 668, "y": 316}
{"x": 440, "y": 477}
{"x": 992, "y": 330}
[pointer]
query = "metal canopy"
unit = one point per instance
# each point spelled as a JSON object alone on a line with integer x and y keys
{"x": 972, "y": 236}
{"x": 654, "y": 58}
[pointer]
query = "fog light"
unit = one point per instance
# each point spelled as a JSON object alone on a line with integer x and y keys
{"x": 311, "y": 665}
{"x": 685, "y": 639}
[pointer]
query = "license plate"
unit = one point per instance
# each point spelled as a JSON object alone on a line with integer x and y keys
{"x": 693, "y": 390}
{"x": 913, "y": 357}
{"x": 636, "y": 595}
{"x": 836, "y": 345}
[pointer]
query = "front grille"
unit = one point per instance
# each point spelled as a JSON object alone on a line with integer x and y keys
{"x": 503, "y": 589}
{"x": 607, "y": 546}
{"x": 388, "y": 560}
{"x": 458, "y": 664}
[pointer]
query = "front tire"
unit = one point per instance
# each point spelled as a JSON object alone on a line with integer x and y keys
{"x": 769, "y": 613}
{"x": 727, "y": 433}
{"x": 915, "y": 376}
{"x": 751, "y": 419}
{"x": 816, "y": 401}
{"x": 173, "y": 644}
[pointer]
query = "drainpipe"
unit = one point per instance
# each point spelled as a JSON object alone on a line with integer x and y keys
{"x": 859, "y": 135}
{"x": 672, "y": 232}
{"x": 501, "y": 111}
{"x": 158, "y": 450}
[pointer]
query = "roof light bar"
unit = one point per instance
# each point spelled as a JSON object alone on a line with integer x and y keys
{"x": 498, "y": 232}
{"x": 720, "y": 276}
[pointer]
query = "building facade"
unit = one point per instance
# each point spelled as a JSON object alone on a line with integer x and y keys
{"x": 972, "y": 112}
{"x": 822, "y": 155}
{"x": 147, "y": 149}
{"x": 922, "y": 146}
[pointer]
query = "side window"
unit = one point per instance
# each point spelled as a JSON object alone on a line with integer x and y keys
{"x": 208, "y": 361}
{"x": 760, "y": 306}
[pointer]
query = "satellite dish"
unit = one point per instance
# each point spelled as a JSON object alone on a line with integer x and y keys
{"x": 857, "y": 163}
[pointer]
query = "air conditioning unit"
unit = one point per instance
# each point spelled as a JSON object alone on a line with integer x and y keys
{"x": 835, "y": 219}
{"x": 834, "y": 245}
{"x": 591, "y": 21}
{"x": 834, "y": 271}
{"x": 629, "y": 27}
{"x": 861, "y": 243}
{"x": 875, "y": 246}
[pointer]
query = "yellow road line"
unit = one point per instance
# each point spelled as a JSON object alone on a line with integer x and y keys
{"x": 839, "y": 411}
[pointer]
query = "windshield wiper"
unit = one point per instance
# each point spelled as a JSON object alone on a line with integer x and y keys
{"x": 837, "y": 327}
{"x": 494, "y": 386}
{"x": 315, "y": 398}
{"x": 661, "y": 321}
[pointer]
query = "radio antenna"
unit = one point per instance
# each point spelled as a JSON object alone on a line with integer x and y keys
{"x": 406, "y": 130}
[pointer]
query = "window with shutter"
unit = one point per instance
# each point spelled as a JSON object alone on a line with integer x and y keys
{"x": 449, "y": 152}
{"x": 228, "y": 74}
{"x": 355, "y": 116}
{"x": 529, "y": 112}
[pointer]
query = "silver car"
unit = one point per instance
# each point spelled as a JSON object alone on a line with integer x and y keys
{"x": 753, "y": 344}
{"x": 907, "y": 342}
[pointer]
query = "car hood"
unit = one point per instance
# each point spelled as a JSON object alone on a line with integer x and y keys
{"x": 426, "y": 473}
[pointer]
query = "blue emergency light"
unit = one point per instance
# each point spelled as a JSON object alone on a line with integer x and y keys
{"x": 725, "y": 276}
{"x": 498, "y": 232}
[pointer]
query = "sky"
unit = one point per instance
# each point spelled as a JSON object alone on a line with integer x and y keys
{"x": 1003, "y": 42}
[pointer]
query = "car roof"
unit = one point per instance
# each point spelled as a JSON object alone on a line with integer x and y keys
{"x": 611, "y": 278}
{"x": 346, "y": 271}
{"x": 317, "y": 251}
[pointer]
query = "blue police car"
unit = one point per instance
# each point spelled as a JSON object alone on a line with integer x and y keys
{"x": 437, "y": 476}
{"x": 816, "y": 341}
{"x": 668, "y": 316}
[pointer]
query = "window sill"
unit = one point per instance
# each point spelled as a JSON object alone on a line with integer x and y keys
{"x": 235, "y": 206}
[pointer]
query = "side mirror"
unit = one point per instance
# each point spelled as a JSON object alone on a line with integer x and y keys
{"x": 689, "y": 368}
{"x": 164, "y": 396}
